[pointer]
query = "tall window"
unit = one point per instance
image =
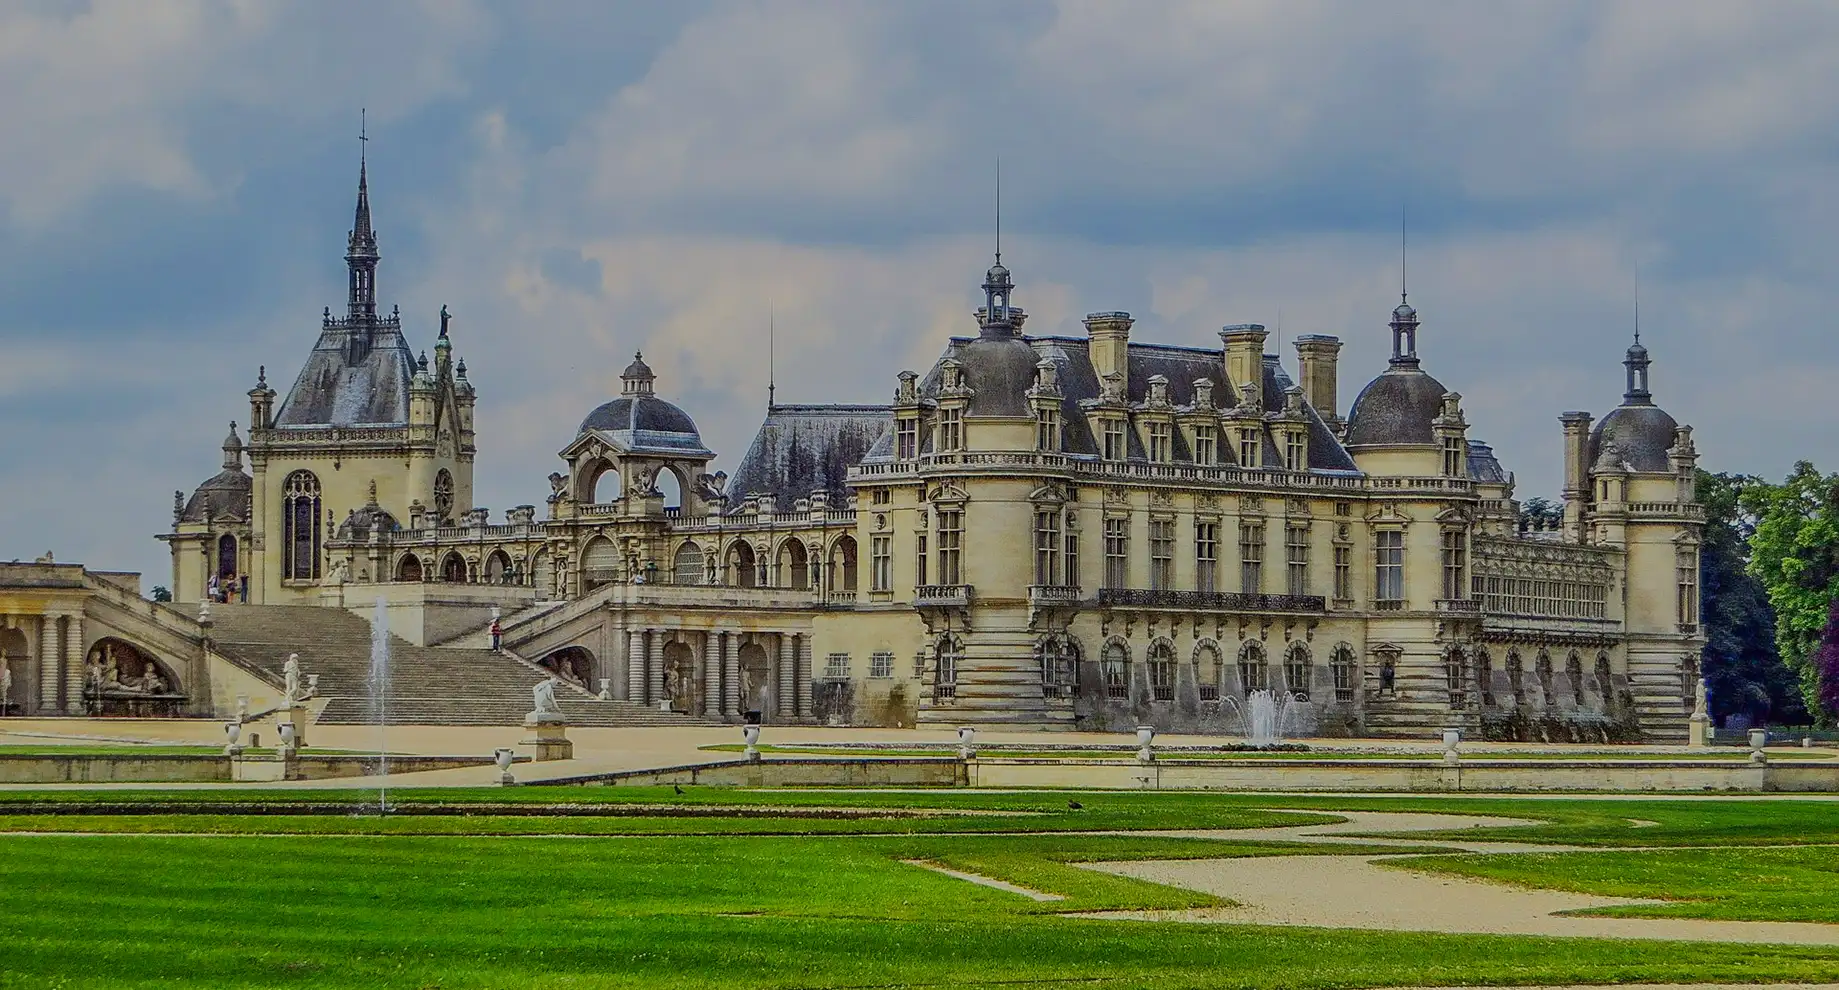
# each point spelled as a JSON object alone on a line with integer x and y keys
{"x": 1516, "y": 677}
{"x": 1161, "y": 554}
{"x": 920, "y": 573}
{"x": 1296, "y": 558}
{"x": 1297, "y": 669}
{"x": 1688, "y": 568}
{"x": 1251, "y": 557}
{"x": 1117, "y": 553}
{"x": 1252, "y": 673}
{"x": 1116, "y": 669}
{"x": 1251, "y": 442}
{"x": 1161, "y": 446}
{"x": 906, "y": 438}
{"x": 1455, "y": 563}
{"x": 951, "y": 428}
{"x": 945, "y": 668}
{"x": 1206, "y": 445}
{"x": 1455, "y": 457}
{"x": 951, "y": 543}
{"x": 1484, "y": 676}
{"x": 1115, "y": 447}
{"x": 1047, "y": 547}
{"x": 1344, "y": 573}
{"x": 1072, "y": 553}
{"x": 880, "y": 563}
{"x": 881, "y": 665}
{"x": 1206, "y": 557}
{"x": 1047, "y": 429}
{"x": 226, "y": 556}
{"x": 1341, "y": 665}
{"x": 1455, "y": 671}
{"x": 1389, "y": 566}
{"x": 300, "y": 527}
{"x": 1207, "y": 671}
{"x": 1295, "y": 451}
{"x": 1162, "y": 672}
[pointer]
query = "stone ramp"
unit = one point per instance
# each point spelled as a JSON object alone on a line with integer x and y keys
{"x": 428, "y": 685}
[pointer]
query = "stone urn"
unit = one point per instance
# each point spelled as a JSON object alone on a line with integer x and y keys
{"x": 751, "y": 735}
{"x": 503, "y": 756}
{"x": 1146, "y": 738}
{"x": 286, "y": 729}
{"x": 233, "y": 731}
{"x": 1452, "y": 746}
{"x": 967, "y": 742}
{"x": 606, "y": 689}
{"x": 1759, "y": 738}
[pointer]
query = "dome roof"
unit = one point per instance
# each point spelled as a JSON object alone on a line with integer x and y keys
{"x": 1396, "y": 408}
{"x": 1403, "y": 312}
{"x": 638, "y": 368}
{"x": 226, "y": 494}
{"x": 1642, "y": 435}
{"x": 360, "y": 522}
{"x": 641, "y": 413}
{"x": 999, "y": 371}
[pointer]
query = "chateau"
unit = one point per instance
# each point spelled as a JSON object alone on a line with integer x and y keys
{"x": 1091, "y": 531}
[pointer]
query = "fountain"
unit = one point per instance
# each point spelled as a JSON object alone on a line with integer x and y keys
{"x": 1268, "y": 717}
{"x": 378, "y": 682}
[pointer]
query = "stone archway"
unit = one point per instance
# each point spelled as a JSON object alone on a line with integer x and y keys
{"x": 409, "y": 569}
{"x": 680, "y": 687}
{"x": 740, "y": 565}
{"x": 453, "y": 568}
{"x": 16, "y": 658}
{"x": 757, "y": 690}
{"x": 120, "y": 678}
{"x": 792, "y": 566}
{"x": 574, "y": 664}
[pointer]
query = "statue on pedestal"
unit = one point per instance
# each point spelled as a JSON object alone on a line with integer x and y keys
{"x": 544, "y": 698}
{"x": 291, "y": 672}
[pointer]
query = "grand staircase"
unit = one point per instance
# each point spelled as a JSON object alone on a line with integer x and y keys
{"x": 427, "y": 685}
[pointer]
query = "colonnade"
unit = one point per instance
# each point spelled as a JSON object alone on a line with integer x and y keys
{"x": 57, "y": 663}
{"x": 715, "y": 656}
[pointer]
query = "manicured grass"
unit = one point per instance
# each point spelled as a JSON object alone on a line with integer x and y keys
{"x": 1723, "y": 884}
{"x": 1423, "y": 755}
{"x": 458, "y": 913}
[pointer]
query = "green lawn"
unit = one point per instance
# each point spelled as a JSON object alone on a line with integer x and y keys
{"x": 1121, "y": 753}
{"x": 406, "y": 912}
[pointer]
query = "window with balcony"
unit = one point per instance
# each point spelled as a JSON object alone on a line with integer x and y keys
{"x": 1296, "y": 558}
{"x": 1298, "y": 667}
{"x": 1072, "y": 554}
{"x": 1116, "y": 446}
{"x": 1252, "y": 673}
{"x": 1206, "y": 445}
{"x": 881, "y": 563}
{"x": 1117, "y": 553}
{"x": 1341, "y": 665}
{"x": 1161, "y": 443}
{"x": 1207, "y": 671}
{"x": 946, "y": 656}
{"x": 1206, "y": 557}
{"x": 906, "y": 438}
{"x": 1388, "y": 568}
{"x": 1116, "y": 670}
{"x": 1251, "y": 558}
{"x": 951, "y": 546}
{"x": 1162, "y": 554}
{"x": 1455, "y": 563}
{"x": 1251, "y": 444}
{"x": 951, "y": 429}
{"x": 1344, "y": 573}
{"x": 1162, "y": 672}
{"x": 920, "y": 574}
{"x": 1047, "y": 547}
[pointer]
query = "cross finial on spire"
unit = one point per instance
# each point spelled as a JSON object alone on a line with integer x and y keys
{"x": 772, "y": 334}
{"x": 363, "y": 134}
{"x": 999, "y": 210}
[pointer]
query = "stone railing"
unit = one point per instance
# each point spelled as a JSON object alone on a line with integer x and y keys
{"x": 1683, "y": 510}
{"x": 1466, "y": 605}
{"x": 766, "y": 520}
{"x": 1220, "y": 601}
{"x": 1127, "y": 471}
{"x": 942, "y": 595}
{"x": 1053, "y": 594}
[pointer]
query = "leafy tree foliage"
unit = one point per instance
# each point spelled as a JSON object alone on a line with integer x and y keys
{"x": 1743, "y": 671}
{"x": 1794, "y": 552}
{"x": 1826, "y": 661}
{"x": 160, "y": 593}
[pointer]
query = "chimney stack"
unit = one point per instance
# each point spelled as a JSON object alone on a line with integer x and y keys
{"x": 1317, "y": 359}
{"x": 1110, "y": 345}
{"x": 1244, "y": 343}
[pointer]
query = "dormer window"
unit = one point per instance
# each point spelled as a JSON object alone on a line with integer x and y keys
{"x": 1206, "y": 445}
{"x": 1116, "y": 449}
{"x": 951, "y": 429}
{"x": 1161, "y": 445}
{"x": 1047, "y": 429}
{"x": 1295, "y": 451}
{"x": 1251, "y": 443}
{"x": 906, "y": 439}
{"x": 1455, "y": 457}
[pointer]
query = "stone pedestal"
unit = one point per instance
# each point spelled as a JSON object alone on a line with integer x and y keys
{"x": 297, "y": 717}
{"x": 1698, "y": 732}
{"x": 547, "y": 738}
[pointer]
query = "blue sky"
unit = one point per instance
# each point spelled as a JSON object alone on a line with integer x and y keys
{"x": 579, "y": 180}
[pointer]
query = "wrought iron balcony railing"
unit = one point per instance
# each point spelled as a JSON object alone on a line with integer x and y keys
{"x": 1222, "y": 601}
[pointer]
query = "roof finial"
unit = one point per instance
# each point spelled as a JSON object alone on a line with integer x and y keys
{"x": 1401, "y": 252}
{"x": 772, "y": 333}
{"x": 1637, "y": 302}
{"x": 363, "y": 135}
{"x": 999, "y": 209}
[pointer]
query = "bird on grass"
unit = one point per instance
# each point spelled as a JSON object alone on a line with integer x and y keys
{"x": 1075, "y": 805}
{"x": 676, "y": 787}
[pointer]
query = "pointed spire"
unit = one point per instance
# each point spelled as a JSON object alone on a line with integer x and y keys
{"x": 772, "y": 342}
{"x": 361, "y": 250}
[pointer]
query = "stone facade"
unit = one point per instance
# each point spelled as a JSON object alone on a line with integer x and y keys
{"x": 1042, "y": 531}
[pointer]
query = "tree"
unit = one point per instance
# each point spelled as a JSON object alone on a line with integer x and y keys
{"x": 1826, "y": 661}
{"x": 160, "y": 593}
{"x": 1794, "y": 552}
{"x": 1742, "y": 668}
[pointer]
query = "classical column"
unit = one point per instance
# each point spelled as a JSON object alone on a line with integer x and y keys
{"x": 782, "y": 705}
{"x": 732, "y": 702}
{"x": 635, "y": 665}
{"x": 655, "y": 653}
{"x": 711, "y": 673}
{"x": 48, "y": 658}
{"x": 802, "y": 643}
{"x": 73, "y": 665}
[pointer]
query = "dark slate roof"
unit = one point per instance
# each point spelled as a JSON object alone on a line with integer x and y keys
{"x": 355, "y": 376}
{"x": 225, "y": 494}
{"x": 662, "y": 421}
{"x": 1001, "y": 370}
{"x": 1643, "y": 433}
{"x": 1396, "y": 408}
{"x": 800, "y": 449}
{"x": 1483, "y": 466}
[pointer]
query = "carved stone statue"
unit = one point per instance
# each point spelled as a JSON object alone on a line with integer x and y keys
{"x": 337, "y": 574}
{"x": 444, "y": 319}
{"x": 6, "y": 685}
{"x": 1699, "y": 701}
{"x": 709, "y": 487}
{"x": 151, "y": 682}
{"x": 290, "y": 671}
{"x": 544, "y": 698}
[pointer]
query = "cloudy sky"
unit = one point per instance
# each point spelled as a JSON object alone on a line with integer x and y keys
{"x": 579, "y": 180}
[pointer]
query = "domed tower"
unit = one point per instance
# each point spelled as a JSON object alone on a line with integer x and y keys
{"x": 211, "y": 530}
{"x": 1402, "y": 423}
{"x": 639, "y": 438}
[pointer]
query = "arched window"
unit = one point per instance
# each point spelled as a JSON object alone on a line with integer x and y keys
{"x": 1058, "y": 673}
{"x": 1341, "y": 665}
{"x": 1207, "y": 671}
{"x": 599, "y": 563}
{"x": 1297, "y": 669}
{"x": 606, "y": 485}
{"x": 946, "y": 655}
{"x": 1516, "y": 677}
{"x": 409, "y": 568}
{"x": 1484, "y": 676}
{"x": 498, "y": 568}
{"x": 843, "y": 565}
{"x": 1162, "y": 671}
{"x": 1574, "y": 673}
{"x": 300, "y": 527}
{"x": 453, "y": 569}
{"x": 1116, "y": 669}
{"x": 1252, "y": 673}
{"x": 443, "y": 497}
{"x": 686, "y": 567}
{"x": 740, "y": 566}
{"x": 794, "y": 565}
{"x": 1543, "y": 670}
{"x": 226, "y": 557}
{"x": 671, "y": 487}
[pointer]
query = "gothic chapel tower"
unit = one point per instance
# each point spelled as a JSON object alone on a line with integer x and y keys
{"x": 367, "y": 425}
